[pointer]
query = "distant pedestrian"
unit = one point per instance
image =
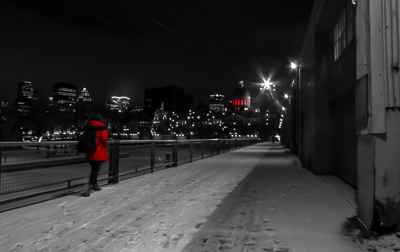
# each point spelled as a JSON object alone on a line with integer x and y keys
{"x": 95, "y": 159}
{"x": 273, "y": 139}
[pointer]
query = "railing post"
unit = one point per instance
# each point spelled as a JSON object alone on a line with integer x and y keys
{"x": 175, "y": 154}
{"x": 152, "y": 155}
{"x": 212, "y": 148}
{"x": 191, "y": 152}
{"x": 113, "y": 169}
{"x": 202, "y": 150}
{"x": 235, "y": 144}
{"x": 218, "y": 146}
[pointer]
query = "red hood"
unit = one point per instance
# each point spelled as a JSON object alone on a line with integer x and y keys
{"x": 96, "y": 124}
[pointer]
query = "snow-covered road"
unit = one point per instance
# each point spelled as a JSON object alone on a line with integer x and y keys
{"x": 252, "y": 199}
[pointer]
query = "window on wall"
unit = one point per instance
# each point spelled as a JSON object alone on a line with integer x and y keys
{"x": 344, "y": 30}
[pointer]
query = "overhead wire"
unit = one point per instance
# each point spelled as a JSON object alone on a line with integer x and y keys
{"x": 119, "y": 14}
{"x": 109, "y": 22}
{"x": 162, "y": 25}
{"x": 194, "y": 31}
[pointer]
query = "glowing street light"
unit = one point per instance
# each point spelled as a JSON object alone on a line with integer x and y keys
{"x": 286, "y": 96}
{"x": 266, "y": 84}
{"x": 293, "y": 65}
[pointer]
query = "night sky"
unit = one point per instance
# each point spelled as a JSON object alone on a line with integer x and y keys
{"x": 121, "y": 47}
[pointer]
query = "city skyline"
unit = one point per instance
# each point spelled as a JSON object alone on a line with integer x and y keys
{"x": 123, "y": 48}
{"x": 82, "y": 93}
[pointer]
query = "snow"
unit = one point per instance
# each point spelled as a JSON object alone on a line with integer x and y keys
{"x": 257, "y": 198}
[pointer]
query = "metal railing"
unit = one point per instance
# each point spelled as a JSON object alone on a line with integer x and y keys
{"x": 32, "y": 169}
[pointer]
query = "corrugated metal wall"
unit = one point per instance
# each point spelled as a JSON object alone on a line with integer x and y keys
{"x": 391, "y": 24}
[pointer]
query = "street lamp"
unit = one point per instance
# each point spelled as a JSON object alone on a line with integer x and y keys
{"x": 266, "y": 84}
{"x": 296, "y": 145}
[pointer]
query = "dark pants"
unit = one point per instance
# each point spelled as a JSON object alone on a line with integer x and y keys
{"x": 95, "y": 171}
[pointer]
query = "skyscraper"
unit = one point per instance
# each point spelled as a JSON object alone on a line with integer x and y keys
{"x": 64, "y": 97}
{"x": 85, "y": 96}
{"x": 84, "y": 103}
{"x": 120, "y": 103}
{"x": 27, "y": 98}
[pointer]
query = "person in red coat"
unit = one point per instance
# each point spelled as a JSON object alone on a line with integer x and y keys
{"x": 95, "y": 159}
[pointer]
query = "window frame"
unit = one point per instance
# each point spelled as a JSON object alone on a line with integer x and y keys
{"x": 344, "y": 30}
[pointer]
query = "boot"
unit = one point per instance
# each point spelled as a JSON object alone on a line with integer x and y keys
{"x": 96, "y": 188}
{"x": 86, "y": 190}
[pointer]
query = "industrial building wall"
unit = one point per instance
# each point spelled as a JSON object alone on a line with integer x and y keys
{"x": 306, "y": 115}
{"x": 387, "y": 172}
{"x": 322, "y": 114}
{"x": 327, "y": 109}
{"x": 378, "y": 112}
{"x": 345, "y": 138}
{"x": 387, "y": 146}
{"x": 307, "y": 126}
{"x": 342, "y": 80}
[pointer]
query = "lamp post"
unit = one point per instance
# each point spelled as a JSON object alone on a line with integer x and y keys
{"x": 296, "y": 111}
{"x": 265, "y": 99}
{"x": 272, "y": 124}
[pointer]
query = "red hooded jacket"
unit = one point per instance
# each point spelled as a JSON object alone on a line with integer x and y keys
{"x": 101, "y": 142}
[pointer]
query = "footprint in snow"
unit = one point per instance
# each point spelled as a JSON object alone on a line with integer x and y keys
{"x": 63, "y": 204}
{"x": 270, "y": 232}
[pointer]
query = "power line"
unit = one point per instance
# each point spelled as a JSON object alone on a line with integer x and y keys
{"x": 164, "y": 27}
{"x": 107, "y": 21}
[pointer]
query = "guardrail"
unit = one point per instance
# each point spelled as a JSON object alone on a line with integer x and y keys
{"x": 33, "y": 169}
